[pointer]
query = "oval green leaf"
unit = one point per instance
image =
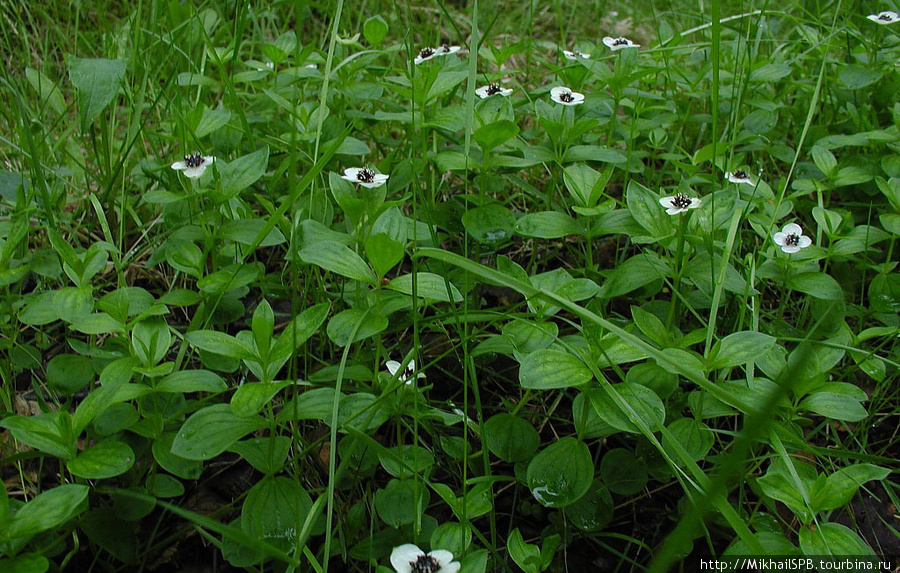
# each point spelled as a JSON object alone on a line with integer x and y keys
{"x": 104, "y": 460}
{"x": 560, "y": 474}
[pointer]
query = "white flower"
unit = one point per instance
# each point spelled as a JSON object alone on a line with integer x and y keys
{"x": 739, "y": 176}
{"x": 679, "y": 203}
{"x": 425, "y": 54}
{"x": 791, "y": 238}
{"x": 884, "y": 18}
{"x": 575, "y": 54}
{"x": 410, "y": 559}
{"x": 619, "y": 43}
{"x": 492, "y": 89}
{"x": 312, "y": 66}
{"x": 566, "y": 96}
{"x": 446, "y": 50}
{"x": 407, "y": 376}
{"x": 194, "y": 165}
{"x": 365, "y": 176}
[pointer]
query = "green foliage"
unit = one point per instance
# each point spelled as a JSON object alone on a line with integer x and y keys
{"x": 501, "y": 343}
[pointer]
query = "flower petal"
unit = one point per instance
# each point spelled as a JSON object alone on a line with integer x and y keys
{"x": 393, "y": 367}
{"x": 779, "y": 238}
{"x": 609, "y": 41}
{"x": 804, "y": 242}
{"x": 442, "y": 556}
{"x": 790, "y": 248}
{"x": 352, "y": 172}
{"x": 179, "y": 165}
{"x": 402, "y": 556}
{"x": 482, "y": 92}
{"x": 559, "y": 90}
{"x": 792, "y": 229}
{"x": 666, "y": 201}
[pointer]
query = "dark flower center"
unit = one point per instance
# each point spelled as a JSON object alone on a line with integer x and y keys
{"x": 620, "y": 42}
{"x": 792, "y": 240}
{"x": 740, "y": 174}
{"x": 193, "y": 160}
{"x": 493, "y": 89}
{"x": 425, "y": 564}
{"x": 884, "y": 16}
{"x": 366, "y": 175}
{"x": 426, "y": 53}
{"x": 566, "y": 97}
{"x": 681, "y": 201}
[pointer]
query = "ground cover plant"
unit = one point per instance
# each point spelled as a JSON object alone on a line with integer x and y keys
{"x": 448, "y": 286}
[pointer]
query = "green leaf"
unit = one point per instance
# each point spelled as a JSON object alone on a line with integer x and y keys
{"x": 641, "y": 401}
{"x": 355, "y": 323}
{"x": 299, "y": 330}
{"x": 229, "y": 278}
{"x": 172, "y": 463}
{"x": 211, "y": 120}
{"x": 252, "y": 397}
{"x": 245, "y": 231}
{"x": 97, "y": 82}
{"x": 383, "y": 253}
{"x": 27, "y": 563}
{"x": 69, "y": 373}
{"x": 692, "y": 435}
{"x": 105, "y": 396}
{"x": 510, "y": 438}
{"x": 401, "y": 502}
{"x": 825, "y": 161}
{"x": 151, "y": 339}
{"x": 374, "y": 30}
{"x": 549, "y": 368}
{"x": 495, "y": 134}
{"x": 739, "y": 348}
{"x": 338, "y": 259}
{"x": 834, "y": 405}
{"x": 780, "y": 484}
{"x": 406, "y": 461}
{"x": 192, "y": 381}
{"x": 594, "y": 510}
{"x": 638, "y": 271}
{"x": 581, "y": 180}
{"x": 45, "y": 432}
{"x": 104, "y": 460}
{"x": 452, "y": 536}
{"x": 275, "y": 509}
{"x": 825, "y": 540}
{"x": 646, "y": 210}
{"x": 841, "y": 486}
{"x": 243, "y": 171}
{"x": 428, "y": 286}
{"x": 560, "y": 474}
{"x": 266, "y": 454}
{"x": 446, "y": 81}
{"x": 548, "y": 225}
{"x": 816, "y": 284}
{"x": 622, "y": 472}
{"x": 47, "y": 89}
{"x": 856, "y": 76}
{"x": 528, "y": 335}
{"x": 526, "y": 555}
{"x": 489, "y": 224}
{"x": 221, "y": 343}
{"x": 212, "y": 430}
{"x": 48, "y": 510}
{"x": 110, "y": 532}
